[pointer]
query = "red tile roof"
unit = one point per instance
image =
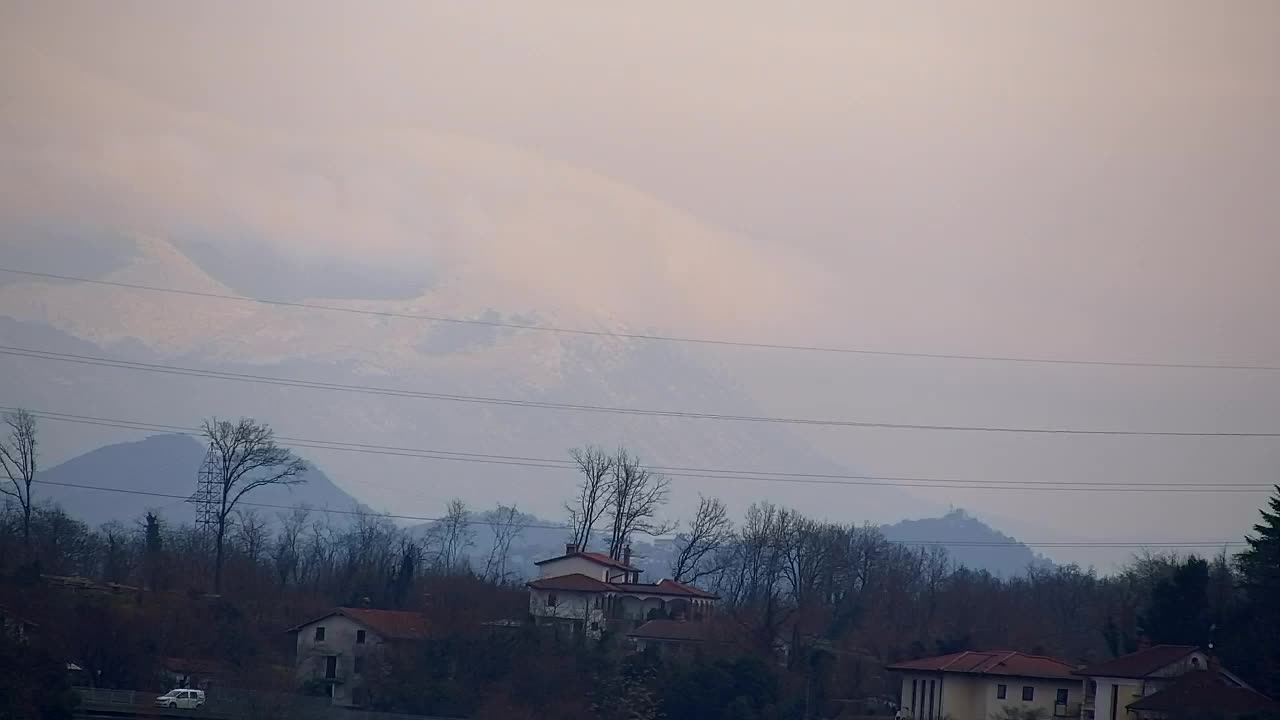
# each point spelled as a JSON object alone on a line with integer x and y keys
{"x": 576, "y": 582}
{"x": 992, "y": 662}
{"x": 1139, "y": 664}
{"x": 1205, "y": 691}
{"x": 666, "y": 587}
{"x": 389, "y": 624}
{"x": 596, "y": 557}
{"x": 672, "y": 630}
{"x": 673, "y": 586}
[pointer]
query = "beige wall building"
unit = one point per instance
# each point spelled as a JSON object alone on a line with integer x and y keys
{"x": 333, "y": 649}
{"x": 980, "y": 685}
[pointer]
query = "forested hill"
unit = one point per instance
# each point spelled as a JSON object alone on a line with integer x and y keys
{"x": 164, "y": 465}
{"x": 969, "y": 542}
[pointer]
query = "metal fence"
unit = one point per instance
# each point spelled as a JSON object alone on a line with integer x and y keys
{"x": 102, "y": 696}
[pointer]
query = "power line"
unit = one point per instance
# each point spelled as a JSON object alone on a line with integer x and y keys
{"x": 545, "y": 405}
{"x": 547, "y": 526}
{"x": 641, "y": 336}
{"x": 702, "y": 473}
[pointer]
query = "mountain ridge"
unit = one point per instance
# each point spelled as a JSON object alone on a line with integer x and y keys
{"x": 165, "y": 465}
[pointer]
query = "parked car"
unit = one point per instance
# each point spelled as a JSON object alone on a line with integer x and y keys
{"x": 181, "y": 698}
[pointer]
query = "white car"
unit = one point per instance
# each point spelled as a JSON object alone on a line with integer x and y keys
{"x": 183, "y": 698}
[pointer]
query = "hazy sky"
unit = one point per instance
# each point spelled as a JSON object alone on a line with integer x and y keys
{"x": 1090, "y": 179}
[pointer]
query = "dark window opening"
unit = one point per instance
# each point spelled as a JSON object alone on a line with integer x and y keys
{"x": 1028, "y": 693}
{"x": 1062, "y": 697}
{"x": 931, "y": 684}
{"x": 551, "y": 600}
{"x": 914, "y": 702}
{"x": 360, "y": 635}
{"x": 320, "y": 634}
{"x": 331, "y": 667}
{"x": 1002, "y": 692}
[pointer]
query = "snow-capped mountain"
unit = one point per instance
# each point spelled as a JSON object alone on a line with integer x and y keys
{"x": 125, "y": 189}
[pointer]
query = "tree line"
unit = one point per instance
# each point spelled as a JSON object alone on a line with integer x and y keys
{"x": 811, "y": 610}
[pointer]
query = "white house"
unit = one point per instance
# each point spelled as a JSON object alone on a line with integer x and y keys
{"x": 587, "y": 593}
{"x": 333, "y": 650}
{"x": 981, "y": 685}
{"x": 1115, "y": 686}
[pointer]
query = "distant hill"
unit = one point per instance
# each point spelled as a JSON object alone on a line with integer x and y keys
{"x": 167, "y": 465}
{"x": 970, "y": 542}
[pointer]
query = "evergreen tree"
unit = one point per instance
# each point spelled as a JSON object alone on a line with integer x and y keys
{"x": 1260, "y": 568}
{"x": 154, "y": 544}
{"x": 1179, "y": 612}
{"x": 1260, "y": 563}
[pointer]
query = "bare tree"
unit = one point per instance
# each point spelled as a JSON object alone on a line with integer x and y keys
{"x": 247, "y": 458}
{"x": 636, "y": 494}
{"x": 400, "y": 582}
{"x": 699, "y": 554}
{"x": 117, "y": 555}
{"x": 18, "y": 456}
{"x": 286, "y": 553}
{"x": 597, "y": 469}
{"x": 505, "y": 521}
{"x": 252, "y": 534}
{"x": 455, "y": 536}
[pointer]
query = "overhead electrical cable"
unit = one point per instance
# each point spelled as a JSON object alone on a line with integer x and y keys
{"x": 642, "y": 336}
{"x": 698, "y": 473}
{"x": 577, "y": 407}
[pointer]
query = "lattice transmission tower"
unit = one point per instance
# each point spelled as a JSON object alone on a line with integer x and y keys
{"x": 208, "y": 495}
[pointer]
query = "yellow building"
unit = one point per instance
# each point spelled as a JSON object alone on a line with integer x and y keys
{"x": 982, "y": 685}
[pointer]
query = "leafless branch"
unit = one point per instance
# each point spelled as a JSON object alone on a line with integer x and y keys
{"x": 247, "y": 458}
{"x": 699, "y": 554}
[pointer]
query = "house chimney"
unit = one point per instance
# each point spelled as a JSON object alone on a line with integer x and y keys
{"x": 570, "y": 548}
{"x": 626, "y": 555}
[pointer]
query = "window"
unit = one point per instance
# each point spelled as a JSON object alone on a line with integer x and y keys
{"x": 331, "y": 667}
{"x": 1028, "y": 693}
{"x": 595, "y": 626}
{"x": 320, "y": 634}
{"x": 931, "y": 682}
{"x": 357, "y": 665}
{"x": 360, "y": 637}
{"x": 1002, "y": 692}
{"x": 551, "y": 599}
{"x": 1061, "y": 699}
{"x": 914, "y": 703}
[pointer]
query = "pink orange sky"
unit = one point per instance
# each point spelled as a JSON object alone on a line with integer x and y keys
{"x": 1090, "y": 180}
